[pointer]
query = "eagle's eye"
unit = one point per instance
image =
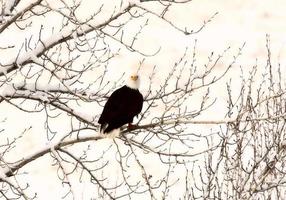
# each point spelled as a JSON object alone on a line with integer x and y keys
{"x": 134, "y": 78}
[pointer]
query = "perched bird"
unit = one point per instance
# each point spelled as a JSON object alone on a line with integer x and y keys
{"x": 122, "y": 106}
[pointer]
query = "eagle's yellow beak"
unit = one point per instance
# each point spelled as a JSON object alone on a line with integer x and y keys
{"x": 134, "y": 78}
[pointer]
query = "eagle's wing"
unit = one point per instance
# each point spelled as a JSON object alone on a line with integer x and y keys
{"x": 121, "y": 107}
{"x": 114, "y": 107}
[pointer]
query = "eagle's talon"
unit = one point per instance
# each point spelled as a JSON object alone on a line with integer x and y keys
{"x": 131, "y": 126}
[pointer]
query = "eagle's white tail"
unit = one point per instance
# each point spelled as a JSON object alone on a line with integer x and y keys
{"x": 112, "y": 134}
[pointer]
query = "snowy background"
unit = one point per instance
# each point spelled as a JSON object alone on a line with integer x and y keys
{"x": 237, "y": 22}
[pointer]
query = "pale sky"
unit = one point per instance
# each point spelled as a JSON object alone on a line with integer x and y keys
{"x": 237, "y": 21}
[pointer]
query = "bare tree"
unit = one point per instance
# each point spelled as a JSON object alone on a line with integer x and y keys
{"x": 250, "y": 160}
{"x": 55, "y": 61}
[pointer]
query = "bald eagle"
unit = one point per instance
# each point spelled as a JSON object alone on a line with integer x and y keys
{"x": 122, "y": 106}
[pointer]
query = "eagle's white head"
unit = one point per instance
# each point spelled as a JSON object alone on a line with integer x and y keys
{"x": 133, "y": 81}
